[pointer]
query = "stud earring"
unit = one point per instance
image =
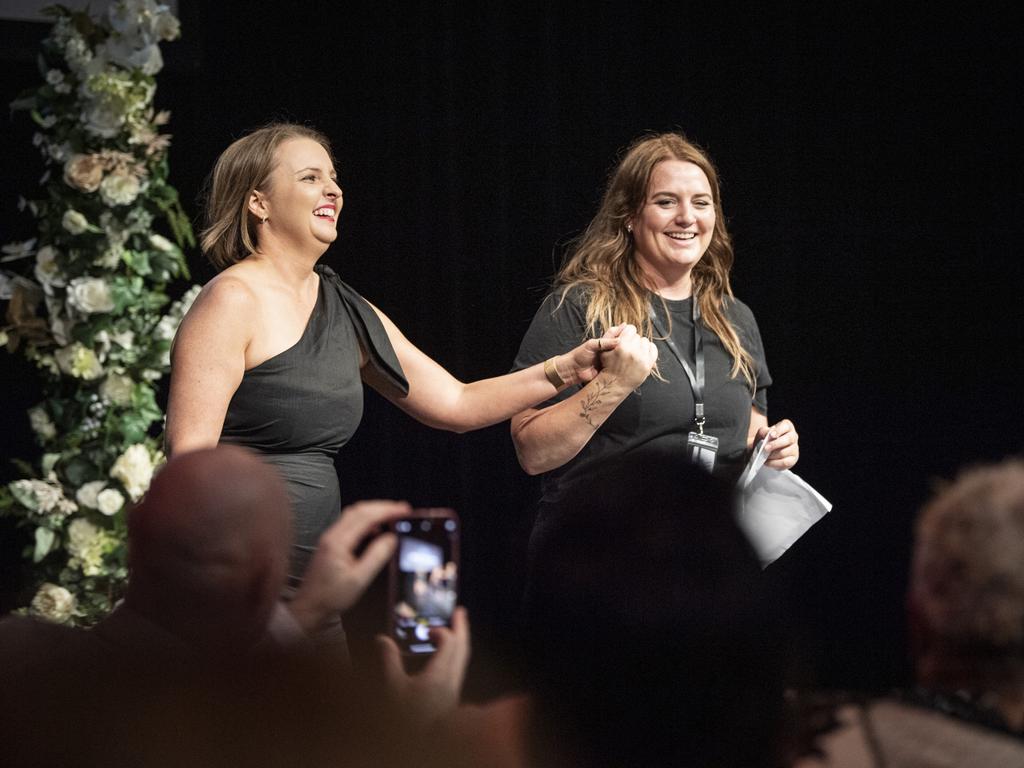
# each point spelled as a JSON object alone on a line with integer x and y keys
{"x": 263, "y": 220}
{"x": 629, "y": 228}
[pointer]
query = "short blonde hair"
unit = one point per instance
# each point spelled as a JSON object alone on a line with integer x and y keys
{"x": 229, "y": 234}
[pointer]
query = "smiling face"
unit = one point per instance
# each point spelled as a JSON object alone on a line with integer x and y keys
{"x": 301, "y": 199}
{"x": 674, "y": 226}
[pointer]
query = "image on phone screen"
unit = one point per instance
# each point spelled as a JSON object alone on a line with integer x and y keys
{"x": 424, "y": 580}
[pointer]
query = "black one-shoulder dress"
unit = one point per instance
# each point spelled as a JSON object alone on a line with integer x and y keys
{"x": 298, "y": 408}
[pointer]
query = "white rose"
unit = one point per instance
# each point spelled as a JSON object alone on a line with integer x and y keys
{"x": 54, "y": 76}
{"x": 87, "y": 494}
{"x": 119, "y": 189}
{"x": 102, "y": 120}
{"x": 90, "y": 295}
{"x": 78, "y": 361}
{"x": 74, "y": 222}
{"x": 148, "y": 59}
{"x": 53, "y": 603}
{"x": 117, "y": 388}
{"x": 134, "y": 468}
{"x": 41, "y": 423}
{"x": 109, "y": 502}
{"x": 111, "y": 257}
{"x": 47, "y": 271}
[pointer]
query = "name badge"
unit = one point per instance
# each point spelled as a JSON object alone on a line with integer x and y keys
{"x": 701, "y": 450}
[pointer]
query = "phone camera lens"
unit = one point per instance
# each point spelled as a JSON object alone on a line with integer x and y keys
{"x": 403, "y": 526}
{"x": 449, "y": 525}
{"x": 425, "y": 525}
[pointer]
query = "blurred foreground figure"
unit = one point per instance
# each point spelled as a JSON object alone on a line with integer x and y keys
{"x": 652, "y": 637}
{"x": 202, "y": 664}
{"x": 966, "y": 602}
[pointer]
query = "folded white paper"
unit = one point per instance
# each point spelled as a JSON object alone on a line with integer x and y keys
{"x": 777, "y": 508}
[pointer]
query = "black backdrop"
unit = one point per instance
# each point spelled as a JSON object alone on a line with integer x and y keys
{"x": 871, "y": 177}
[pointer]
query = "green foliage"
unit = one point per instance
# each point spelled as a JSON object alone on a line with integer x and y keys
{"x": 87, "y": 299}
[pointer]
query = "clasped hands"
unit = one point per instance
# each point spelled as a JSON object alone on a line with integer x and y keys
{"x": 621, "y": 352}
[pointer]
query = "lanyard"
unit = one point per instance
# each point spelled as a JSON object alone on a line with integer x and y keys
{"x": 696, "y": 379}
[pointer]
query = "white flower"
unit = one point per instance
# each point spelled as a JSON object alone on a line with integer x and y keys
{"x": 74, "y": 222}
{"x": 77, "y": 52}
{"x": 85, "y": 545}
{"x": 120, "y": 188}
{"x": 47, "y": 271}
{"x": 81, "y": 534}
{"x": 166, "y": 26}
{"x": 109, "y": 502}
{"x": 62, "y": 88}
{"x": 148, "y": 59}
{"x": 111, "y": 257}
{"x": 103, "y": 120}
{"x": 117, "y": 388}
{"x": 134, "y": 468}
{"x": 53, "y": 603}
{"x": 40, "y": 496}
{"x": 162, "y": 244}
{"x": 90, "y": 295}
{"x": 41, "y": 423}
{"x": 78, "y": 361}
{"x": 88, "y": 493}
{"x": 15, "y": 251}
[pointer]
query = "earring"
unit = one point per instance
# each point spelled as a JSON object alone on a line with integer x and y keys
{"x": 629, "y": 228}
{"x": 263, "y": 220}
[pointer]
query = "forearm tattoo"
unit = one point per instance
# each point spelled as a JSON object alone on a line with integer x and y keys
{"x": 593, "y": 399}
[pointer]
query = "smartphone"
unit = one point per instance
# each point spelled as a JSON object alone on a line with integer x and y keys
{"x": 423, "y": 577}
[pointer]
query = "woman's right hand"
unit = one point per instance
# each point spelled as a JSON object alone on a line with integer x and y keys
{"x": 632, "y": 360}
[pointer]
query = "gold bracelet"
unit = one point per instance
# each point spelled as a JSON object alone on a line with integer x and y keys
{"x": 552, "y": 373}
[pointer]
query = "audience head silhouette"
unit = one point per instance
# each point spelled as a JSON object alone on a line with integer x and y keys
{"x": 208, "y": 548}
{"x": 652, "y": 636}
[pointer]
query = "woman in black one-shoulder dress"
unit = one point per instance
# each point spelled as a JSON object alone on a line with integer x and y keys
{"x": 274, "y": 352}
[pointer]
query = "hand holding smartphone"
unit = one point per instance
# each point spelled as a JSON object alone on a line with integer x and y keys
{"x": 423, "y": 577}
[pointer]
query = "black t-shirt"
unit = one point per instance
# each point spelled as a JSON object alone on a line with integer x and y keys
{"x": 660, "y": 414}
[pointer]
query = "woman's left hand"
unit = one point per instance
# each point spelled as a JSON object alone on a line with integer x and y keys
{"x": 782, "y": 444}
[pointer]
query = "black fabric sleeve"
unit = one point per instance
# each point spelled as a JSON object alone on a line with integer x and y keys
{"x": 750, "y": 337}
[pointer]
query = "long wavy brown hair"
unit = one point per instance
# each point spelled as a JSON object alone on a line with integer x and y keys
{"x": 229, "y": 234}
{"x": 601, "y": 262}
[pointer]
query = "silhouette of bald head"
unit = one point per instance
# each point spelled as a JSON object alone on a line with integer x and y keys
{"x": 208, "y": 548}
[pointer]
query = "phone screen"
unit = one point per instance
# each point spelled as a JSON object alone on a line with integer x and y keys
{"x": 424, "y": 578}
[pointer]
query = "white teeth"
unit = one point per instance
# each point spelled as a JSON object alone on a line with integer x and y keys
{"x": 681, "y": 235}
{"x": 323, "y": 212}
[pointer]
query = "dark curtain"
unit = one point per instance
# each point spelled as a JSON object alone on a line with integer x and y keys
{"x": 871, "y": 177}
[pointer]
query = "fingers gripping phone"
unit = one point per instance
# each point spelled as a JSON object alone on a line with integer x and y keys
{"x": 423, "y": 577}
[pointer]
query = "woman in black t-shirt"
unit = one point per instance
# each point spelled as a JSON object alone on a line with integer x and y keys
{"x": 688, "y": 377}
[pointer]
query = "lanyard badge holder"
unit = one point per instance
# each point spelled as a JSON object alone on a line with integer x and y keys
{"x": 701, "y": 449}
